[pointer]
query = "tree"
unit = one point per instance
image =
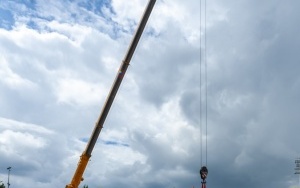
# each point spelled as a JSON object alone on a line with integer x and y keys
{"x": 85, "y": 186}
{"x": 2, "y": 185}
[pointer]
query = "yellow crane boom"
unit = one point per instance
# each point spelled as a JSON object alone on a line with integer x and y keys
{"x": 84, "y": 158}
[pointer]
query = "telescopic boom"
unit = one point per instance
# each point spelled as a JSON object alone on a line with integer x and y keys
{"x": 84, "y": 158}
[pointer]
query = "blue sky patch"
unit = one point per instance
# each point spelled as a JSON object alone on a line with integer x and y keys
{"x": 30, "y": 4}
{"x": 84, "y": 139}
{"x": 6, "y": 19}
{"x": 107, "y": 142}
{"x": 97, "y": 6}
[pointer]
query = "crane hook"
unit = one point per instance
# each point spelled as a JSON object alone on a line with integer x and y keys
{"x": 203, "y": 173}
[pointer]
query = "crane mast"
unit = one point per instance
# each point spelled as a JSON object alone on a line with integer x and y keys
{"x": 84, "y": 158}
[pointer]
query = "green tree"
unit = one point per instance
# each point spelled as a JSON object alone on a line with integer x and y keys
{"x": 85, "y": 186}
{"x": 2, "y": 185}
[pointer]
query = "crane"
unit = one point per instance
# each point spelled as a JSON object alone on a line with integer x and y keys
{"x": 87, "y": 153}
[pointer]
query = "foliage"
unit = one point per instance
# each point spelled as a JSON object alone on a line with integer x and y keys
{"x": 2, "y": 185}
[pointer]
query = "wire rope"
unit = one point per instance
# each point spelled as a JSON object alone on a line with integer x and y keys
{"x": 205, "y": 62}
{"x": 201, "y": 142}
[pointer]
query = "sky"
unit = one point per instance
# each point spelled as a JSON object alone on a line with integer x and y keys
{"x": 58, "y": 60}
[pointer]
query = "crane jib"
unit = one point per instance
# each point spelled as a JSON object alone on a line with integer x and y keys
{"x": 77, "y": 177}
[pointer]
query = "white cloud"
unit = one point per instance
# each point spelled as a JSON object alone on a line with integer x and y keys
{"x": 127, "y": 13}
{"x": 78, "y": 92}
{"x": 75, "y": 33}
{"x": 16, "y": 125}
{"x": 11, "y": 79}
{"x": 56, "y": 73}
{"x": 18, "y": 139}
{"x": 30, "y": 149}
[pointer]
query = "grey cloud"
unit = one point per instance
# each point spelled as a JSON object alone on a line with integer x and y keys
{"x": 257, "y": 59}
{"x": 253, "y": 89}
{"x": 164, "y": 71}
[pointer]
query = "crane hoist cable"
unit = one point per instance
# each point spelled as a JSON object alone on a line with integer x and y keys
{"x": 203, "y": 57}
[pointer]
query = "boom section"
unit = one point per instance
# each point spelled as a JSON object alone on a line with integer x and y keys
{"x": 84, "y": 159}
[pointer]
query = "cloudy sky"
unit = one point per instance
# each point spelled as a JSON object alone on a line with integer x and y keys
{"x": 58, "y": 60}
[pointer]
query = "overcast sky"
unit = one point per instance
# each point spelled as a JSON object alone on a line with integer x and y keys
{"x": 58, "y": 60}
